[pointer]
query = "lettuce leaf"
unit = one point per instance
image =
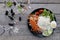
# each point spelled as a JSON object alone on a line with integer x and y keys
{"x": 47, "y": 13}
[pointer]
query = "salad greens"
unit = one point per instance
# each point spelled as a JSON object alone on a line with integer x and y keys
{"x": 47, "y": 33}
{"x": 9, "y": 4}
{"x": 47, "y": 13}
{"x": 20, "y": 8}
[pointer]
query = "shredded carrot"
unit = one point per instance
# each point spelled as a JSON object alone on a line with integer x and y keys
{"x": 34, "y": 26}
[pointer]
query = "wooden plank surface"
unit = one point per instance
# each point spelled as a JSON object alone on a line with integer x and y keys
{"x": 37, "y": 1}
{"x": 24, "y": 33}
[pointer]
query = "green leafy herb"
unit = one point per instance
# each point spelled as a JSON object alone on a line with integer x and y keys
{"x": 47, "y": 13}
{"x": 9, "y": 4}
{"x": 20, "y": 8}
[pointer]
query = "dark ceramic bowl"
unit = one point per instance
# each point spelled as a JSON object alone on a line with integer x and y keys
{"x": 34, "y": 33}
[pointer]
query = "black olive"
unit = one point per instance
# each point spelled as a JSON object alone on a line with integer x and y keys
{"x": 11, "y": 18}
{"x": 22, "y": 5}
{"x": 14, "y": 3}
{"x": 6, "y": 13}
{"x": 13, "y": 14}
{"x": 11, "y": 10}
{"x": 11, "y": 24}
{"x": 19, "y": 18}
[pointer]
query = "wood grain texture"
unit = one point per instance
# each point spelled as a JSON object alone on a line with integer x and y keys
{"x": 37, "y": 1}
{"x": 24, "y": 33}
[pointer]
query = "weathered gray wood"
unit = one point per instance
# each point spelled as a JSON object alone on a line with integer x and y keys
{"x": 55, "y": 8}
{"x": 24, "y": 33}
{"x": 54, "y": 1}
{"x": 46, "y": 1}
{"x": 37, "y": 1}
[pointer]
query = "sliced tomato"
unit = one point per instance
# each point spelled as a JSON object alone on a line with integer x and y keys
{"x": 40, "y": 11}
{"x": 37, "y": 13}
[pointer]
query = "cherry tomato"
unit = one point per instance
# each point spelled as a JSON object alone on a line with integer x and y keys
{"x": 37, "y": 13}
{"x": 40, "y": 11}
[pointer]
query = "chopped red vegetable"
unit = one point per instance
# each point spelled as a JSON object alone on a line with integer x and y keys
{"x": 35, "y": 27}
{"x": 37, "y": 13}
{"x": 40, "y": 11}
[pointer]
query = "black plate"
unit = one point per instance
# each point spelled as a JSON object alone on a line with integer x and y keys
{"x": 34, "y": 33}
